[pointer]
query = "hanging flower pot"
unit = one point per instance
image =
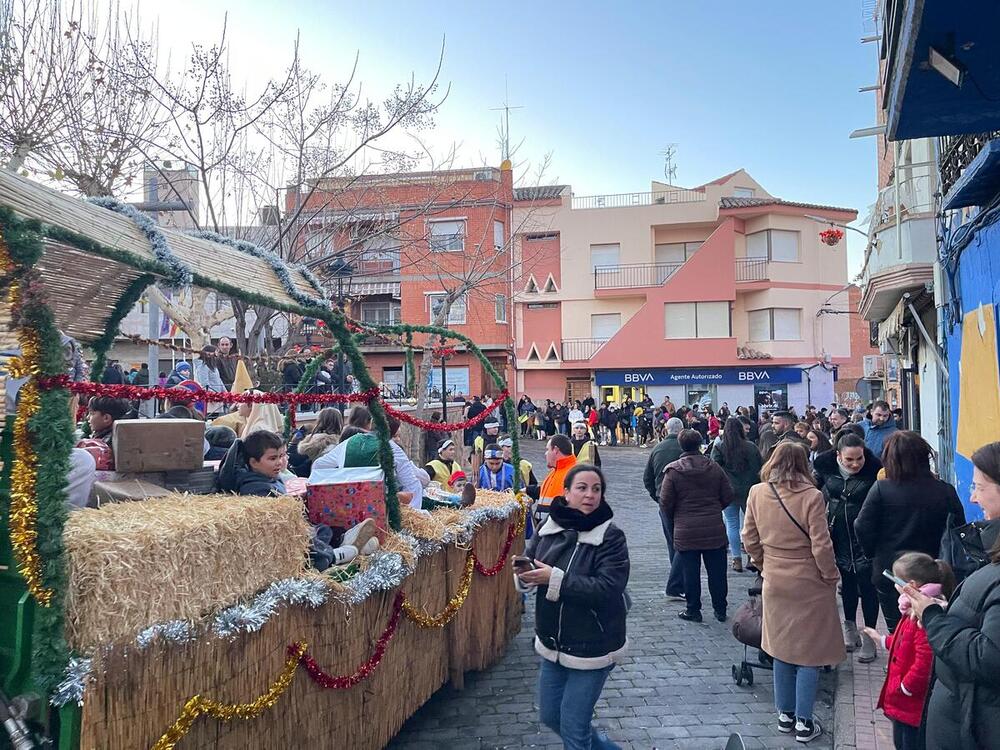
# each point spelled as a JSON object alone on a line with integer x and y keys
{"x": 831, "y": 236}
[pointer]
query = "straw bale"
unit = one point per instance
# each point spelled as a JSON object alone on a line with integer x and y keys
{"x": 177, "y": 557}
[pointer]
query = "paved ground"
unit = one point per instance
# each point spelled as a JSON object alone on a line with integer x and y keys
{"x": 676, "y": 689}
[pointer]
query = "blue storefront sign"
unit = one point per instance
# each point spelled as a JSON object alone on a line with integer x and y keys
{"x": 651, "y": 376}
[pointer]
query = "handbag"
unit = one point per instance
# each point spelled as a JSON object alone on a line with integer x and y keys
{"x": 748, "y": 622}
{"x": 962, "y": 548}
{"x": 787, "y": 512}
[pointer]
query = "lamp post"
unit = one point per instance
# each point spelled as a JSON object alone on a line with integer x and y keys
{"x": 341, "y": 269}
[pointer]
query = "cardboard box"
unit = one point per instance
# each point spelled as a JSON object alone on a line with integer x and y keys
{"x": 142, "y": 445}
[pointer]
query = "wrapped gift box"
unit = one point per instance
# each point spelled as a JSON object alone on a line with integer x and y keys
{"x": 345, "y": 497}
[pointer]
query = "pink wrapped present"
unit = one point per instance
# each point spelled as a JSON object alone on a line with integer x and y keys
{"x": 345, "y": 497}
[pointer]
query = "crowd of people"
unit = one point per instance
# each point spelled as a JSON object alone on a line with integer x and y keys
{"x": 835, "y": 510}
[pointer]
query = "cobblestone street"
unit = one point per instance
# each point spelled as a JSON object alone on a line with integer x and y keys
{"x": 674, "y": 691}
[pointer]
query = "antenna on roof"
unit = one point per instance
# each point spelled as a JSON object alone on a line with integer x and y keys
{"x": 669, "y": 168}
{"x": 506, "y": 108}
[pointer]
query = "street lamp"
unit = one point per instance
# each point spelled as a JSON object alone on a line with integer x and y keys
{"x": 341, "y": 269}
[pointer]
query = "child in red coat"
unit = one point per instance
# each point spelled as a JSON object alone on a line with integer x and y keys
{"x": 908, "y": 674}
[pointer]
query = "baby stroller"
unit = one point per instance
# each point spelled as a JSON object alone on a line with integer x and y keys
{"x": 747, "y": 625}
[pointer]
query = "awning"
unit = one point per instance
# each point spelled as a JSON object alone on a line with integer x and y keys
{"x": 373, "y": 288}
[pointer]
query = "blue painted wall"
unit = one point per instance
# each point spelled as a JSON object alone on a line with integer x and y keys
{"x": 978, "y": 283}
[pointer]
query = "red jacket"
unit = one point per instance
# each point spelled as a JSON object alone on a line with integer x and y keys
{"x": 713, "y": 426}
{"x": 910, "y": 659}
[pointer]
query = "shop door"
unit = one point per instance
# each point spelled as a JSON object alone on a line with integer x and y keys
{"x": 770, "y": 398}
{"x": 577, "y": 390}
{"x": 702, "y": 394}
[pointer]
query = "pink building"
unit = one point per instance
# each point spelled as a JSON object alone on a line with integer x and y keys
{"x": 720, "y": 293}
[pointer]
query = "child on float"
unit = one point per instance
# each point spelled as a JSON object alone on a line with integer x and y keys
{"x": 910, "y": 660}
{"x": 445, "y": 465}
{"x": 495, "y": 473}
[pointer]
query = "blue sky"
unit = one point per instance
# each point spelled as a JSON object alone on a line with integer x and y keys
{"x": 768, "y": 86}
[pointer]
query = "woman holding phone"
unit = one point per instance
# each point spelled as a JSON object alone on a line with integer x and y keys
{"x": 964, "y": 708}
{"x": 577, "y": 562}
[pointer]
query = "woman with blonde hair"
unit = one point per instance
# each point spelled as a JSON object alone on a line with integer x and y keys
{"x": 786, "y": 535}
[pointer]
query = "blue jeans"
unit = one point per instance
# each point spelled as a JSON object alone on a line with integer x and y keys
{"x": 566, "y": 699}
{"x": 675, "y": 580}
{"x": 733, "y": 517}
{"x": 795, "y": 689}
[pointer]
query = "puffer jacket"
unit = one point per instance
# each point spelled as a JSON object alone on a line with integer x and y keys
{"x": 694, "y": 491}
{"x": 317, "y": 444}
{"x": 964, "y": 708}
{"x": 844, "y": 498}
{"x": 580, "y": 615}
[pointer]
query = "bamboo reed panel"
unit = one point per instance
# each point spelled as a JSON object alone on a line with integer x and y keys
{"x": 142, "y": 693}
{"x": 33, "y": 200}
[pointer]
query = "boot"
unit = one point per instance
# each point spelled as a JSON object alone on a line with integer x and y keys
{"x": 738, "y": 564}
{"x": 852, "y": 638}
{"x": 869, "y": 651}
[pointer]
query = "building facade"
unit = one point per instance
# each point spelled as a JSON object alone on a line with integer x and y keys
{"x": 393, "y": 247}
{"x": 717, "y": 294}
{"x": 864, "y": 378}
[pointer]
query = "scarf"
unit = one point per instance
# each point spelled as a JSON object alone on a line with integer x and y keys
{"x": 933, "y": 590}
{"x": 571, "y": 518}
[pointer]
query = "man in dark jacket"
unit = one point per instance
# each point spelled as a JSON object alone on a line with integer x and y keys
{"x": 666, "y": 452}
{"x": 694, "y": 492}
{"x": 783, "y": 424}
{"x": 845, "y": 475}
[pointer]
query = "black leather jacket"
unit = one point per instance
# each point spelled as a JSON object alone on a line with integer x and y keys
{"x": 580, "y": 614}
{"x": 844, "y": 498}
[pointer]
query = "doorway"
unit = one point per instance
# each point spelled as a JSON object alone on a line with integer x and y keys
{"x": 577, "y": 389}
{"x": 770, "y": 398}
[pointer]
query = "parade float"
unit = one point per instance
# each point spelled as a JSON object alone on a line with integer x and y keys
{"x": 194, "y": 621}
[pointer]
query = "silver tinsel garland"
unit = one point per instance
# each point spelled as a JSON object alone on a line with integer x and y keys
{"x": 72, "y": 687}
{"x": 250, "y": 617}
{"x": 180, "y": 273}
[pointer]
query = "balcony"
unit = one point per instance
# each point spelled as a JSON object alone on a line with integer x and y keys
{"x": 625, "y": 200}
{"x": 633, "y": 275}
{"x": 970, "y": 169}
{"x": 751, "y": 269}
{"x": 580, "y": 350}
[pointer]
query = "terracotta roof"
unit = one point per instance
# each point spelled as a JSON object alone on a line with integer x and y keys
{"x": 733, "y": 202}
{"x": 539, "y": 193}
{"x": 720, "y": 181}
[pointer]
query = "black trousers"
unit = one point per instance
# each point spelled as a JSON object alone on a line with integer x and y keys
{"x": 715, "y": 566}
{"x": 888, "y": 597}
{"x": 905, "y": 737}
{"x": 675, "y": 580}
{"x": 855, "y": 585}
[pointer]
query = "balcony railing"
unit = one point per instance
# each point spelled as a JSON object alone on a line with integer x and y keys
{"x": 751, "y": 269}
{"x": 957, "y": 152}
{"x": 624, "y": 200}
{"x": 576, "y": 350}
{"x": 633, "y": 275}
{"x": 916, "y": 196}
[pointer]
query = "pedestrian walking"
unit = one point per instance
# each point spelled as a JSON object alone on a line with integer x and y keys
{"x": 694, "y": 492}
{"x": 578, "y": 565}
{"x": 905, "y": 512}
{"x": 741, "y": 461}
{"x": 666, "y": 452}
{"x": 785, "y": 532}
{"x": 879, "y": 428}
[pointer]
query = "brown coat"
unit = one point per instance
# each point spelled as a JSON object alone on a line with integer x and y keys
{"x": 694, "y": 491}
{"x": 801, "y": 619}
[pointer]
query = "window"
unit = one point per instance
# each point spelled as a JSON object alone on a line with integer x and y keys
{"x": 676, "y": 252}
{"x": 743, "y": 192}
{"x": 604, "y": 255}
{"x": 447, "y": 236}
{"x": 381, "y": 255}
{"x": 542, "y": 305}
{"x": 501, "y": 308}
{"x": 697, "y": 320}
{"x": 775, "y": 324}
{"x": 380, "y": 313}
{"x": 605, "y": 326}
{"x": 456, "y": 314}
{"x": 498, "y": 241}
{"x": 774, "y": 245}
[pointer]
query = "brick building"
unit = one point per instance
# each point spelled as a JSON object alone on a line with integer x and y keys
{"x": 408, "y": 239}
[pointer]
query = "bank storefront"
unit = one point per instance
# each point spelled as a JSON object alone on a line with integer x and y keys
{"x": 765, "y": 387}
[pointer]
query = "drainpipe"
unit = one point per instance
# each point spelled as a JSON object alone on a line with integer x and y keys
{"x": 895, "y": 182}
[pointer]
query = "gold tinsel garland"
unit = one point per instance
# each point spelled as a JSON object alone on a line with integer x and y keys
{"x": 24, "y": 473}
{"x": 425, "y": 620}
{"x": 198, "y": 705}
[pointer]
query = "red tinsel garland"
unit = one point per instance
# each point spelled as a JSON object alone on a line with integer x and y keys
{"x": 423, "y": 424}
{"x": 501, "y": 558}
{"x": 343, "y": 682}
{"x": 183, "y": 395}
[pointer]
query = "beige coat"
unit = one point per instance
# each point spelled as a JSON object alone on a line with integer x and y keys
{"x": 801, "y": 620}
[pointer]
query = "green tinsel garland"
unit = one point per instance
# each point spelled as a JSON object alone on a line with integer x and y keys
{"x": 102, "y": 344}
{"x": 411, "y": 374}
{"x": 508, "y": 406}
{"x": 52, "y": 433}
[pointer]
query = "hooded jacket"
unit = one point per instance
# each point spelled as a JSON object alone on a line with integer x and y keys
{"x": 666, "y": 452}
{"x": 695, "y": 489}
{"x": 844, "y": 498}
{"x": 315, "y": 445}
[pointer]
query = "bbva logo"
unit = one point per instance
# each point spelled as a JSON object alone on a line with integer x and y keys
{"x": 638, "y": 377}
{"x": 754, "y": 375}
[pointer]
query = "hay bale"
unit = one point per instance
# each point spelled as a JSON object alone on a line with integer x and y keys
{"x": 177, "y": 557}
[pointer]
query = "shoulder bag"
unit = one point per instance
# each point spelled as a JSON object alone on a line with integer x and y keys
{"x": 787, "y": 512}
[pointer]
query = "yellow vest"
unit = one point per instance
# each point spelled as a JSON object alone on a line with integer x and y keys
{"x": 525, "y": 472}
{"x": 442, "y": 474}
{"x": 586, "y": 454}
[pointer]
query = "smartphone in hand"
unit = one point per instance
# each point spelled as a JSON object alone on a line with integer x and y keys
{"x": 895, "y": 579}
{"x": 523, "y": 564}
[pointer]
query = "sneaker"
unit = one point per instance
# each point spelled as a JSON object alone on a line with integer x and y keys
{"x": 689, "y": 616}
{"x": 786, "y": 722}
{"x": 738, "y": 564}
{"x": 676, "y": 597}
{"x": 358, "y": 536}
{"x": 344, "y": 554}
{"x": 852, "y": 638}
{"x": 869, "y": 652}
{"x": 371, "y": 547}
{"x": 806, "y": 730}
{"x": 720, "y": 615}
